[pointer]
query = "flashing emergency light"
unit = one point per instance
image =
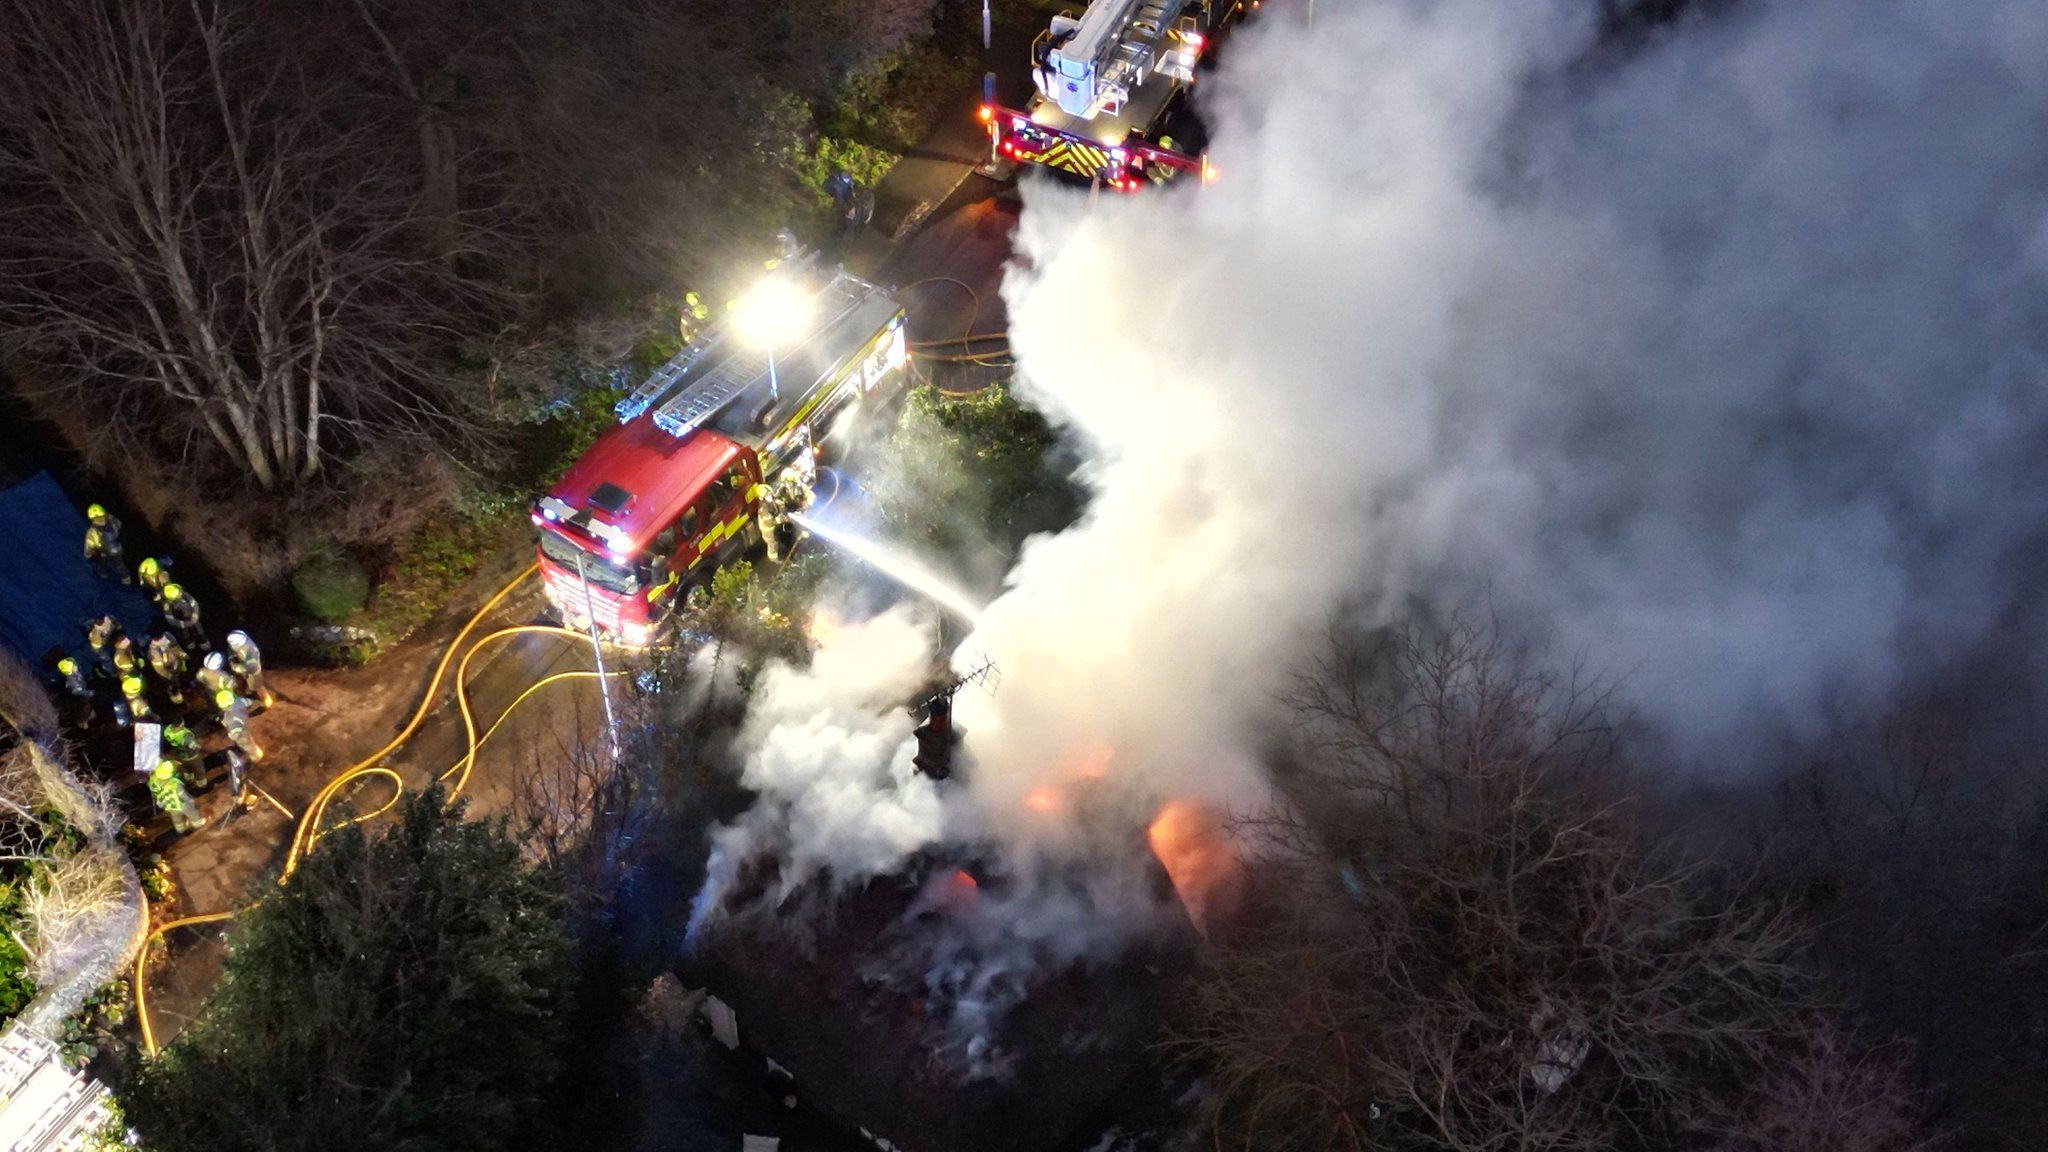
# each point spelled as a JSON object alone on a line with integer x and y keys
{"x": 775, "y": 313}
{"x": 986, "y": 113}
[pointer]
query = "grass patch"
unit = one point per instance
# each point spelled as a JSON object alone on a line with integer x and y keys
{"x": 426, "y": 569}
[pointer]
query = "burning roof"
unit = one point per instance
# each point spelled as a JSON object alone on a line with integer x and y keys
{"x": 882, "y": 1004}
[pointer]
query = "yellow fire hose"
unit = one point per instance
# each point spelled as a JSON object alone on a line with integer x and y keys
{"x": 142, "y": 957}
{"x": 308, "y": 830}
{"x": 317, "y": 807}
{"x": 469, "y": 736}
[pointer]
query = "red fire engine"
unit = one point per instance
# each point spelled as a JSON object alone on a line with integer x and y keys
{"x": 1108, "y": 81}
{"x": 718, "y": 440}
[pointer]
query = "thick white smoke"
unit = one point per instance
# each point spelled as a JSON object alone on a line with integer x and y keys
{"x": 827, "y": 750}
{"x": 1717, "y": 361}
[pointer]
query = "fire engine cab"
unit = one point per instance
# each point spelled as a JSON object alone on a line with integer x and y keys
{"x": 1106, "y": 82}
{"x": 714, "y": 442}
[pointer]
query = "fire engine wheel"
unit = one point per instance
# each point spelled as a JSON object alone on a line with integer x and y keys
{"x": 696, "y": 598}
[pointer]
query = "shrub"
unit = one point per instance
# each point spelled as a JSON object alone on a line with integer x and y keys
{"x": 407, "y": 991}
{"x": 332, "y": 585}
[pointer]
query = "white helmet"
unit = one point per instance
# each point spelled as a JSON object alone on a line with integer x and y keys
{"x": 239, "y": 639}
{"x": 216, "y": 661}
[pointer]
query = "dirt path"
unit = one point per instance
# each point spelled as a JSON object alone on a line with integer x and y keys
{"x": 324, "y": 720}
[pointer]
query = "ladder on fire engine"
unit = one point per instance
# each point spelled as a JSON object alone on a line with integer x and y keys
{"x": 702, "y": 400}
{"x": 662, "y": 379}
{"x": 1109, "y": 50}
{"x": 708, "y": 395}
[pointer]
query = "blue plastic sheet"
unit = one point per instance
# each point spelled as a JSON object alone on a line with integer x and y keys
{"x": 47, "y": 587}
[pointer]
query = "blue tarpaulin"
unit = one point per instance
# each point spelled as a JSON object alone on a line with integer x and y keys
{"x": 47, "y": 587}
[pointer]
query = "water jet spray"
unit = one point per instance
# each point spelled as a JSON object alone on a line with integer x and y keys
{"x": 898, "y": 566}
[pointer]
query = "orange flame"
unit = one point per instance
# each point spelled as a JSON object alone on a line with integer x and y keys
{"x": 1045, "y": 799}
{"x": 1189, "y": 839}
{"x": 958, "y": 892}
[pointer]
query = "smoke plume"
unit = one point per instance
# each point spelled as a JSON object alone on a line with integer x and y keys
{"x": 1714, "y": 359}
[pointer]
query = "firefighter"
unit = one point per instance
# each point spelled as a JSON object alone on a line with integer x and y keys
{"x": 181, "y": 747}
{"x": 138, "y": 709}
{"x": 167, "y": 660}
{"x": 770, "y": 520}
{"x": 73, "y": 677}
{"x": 99, "y": 636}
{"x": 791, "y": 493}
{"x": 213, "y": 677}
{"x": 126, "y": 662}
{"x": 103, "y": 544}
{"x": 154, "y": 575}
{"x": 172, "y": 799}
{"x": 690, "y": 319}
{"x": 246, "y": 661}
{"x": 234, "y": 719}
{"x": 183, "y": 613}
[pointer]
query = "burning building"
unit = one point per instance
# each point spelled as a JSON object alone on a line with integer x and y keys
{"x": 914, "y": 1011}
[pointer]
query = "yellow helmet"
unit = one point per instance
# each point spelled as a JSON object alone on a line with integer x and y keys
{"x": 95, "y": 512}
{"x": 164, "y": 770}
{"x": 223, "y": 698}
{"x": 148, "y": 566}
{"x": 67, "y": 665}
{"x": 173, "y": 591}
{"x": 131, "y": 685}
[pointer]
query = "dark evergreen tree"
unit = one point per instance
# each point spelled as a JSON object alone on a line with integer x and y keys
{"x": 402, "y": 991}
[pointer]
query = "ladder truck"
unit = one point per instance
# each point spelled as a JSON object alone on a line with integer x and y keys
{"x": 1106, "y": 82}
{"x": 715, "y": 443}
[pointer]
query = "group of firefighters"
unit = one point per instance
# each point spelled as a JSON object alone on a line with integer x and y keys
{"x": 160, "y": 683}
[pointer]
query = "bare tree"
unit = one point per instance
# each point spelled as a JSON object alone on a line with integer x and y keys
{"x": 200, "y": 244}
{"x": 1462, "y": 943}
{"x": 1825, "y": 1093}
{"x": 581, "y": 813}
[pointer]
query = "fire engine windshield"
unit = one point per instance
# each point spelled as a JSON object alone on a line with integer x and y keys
{"x": 601, "y": 570}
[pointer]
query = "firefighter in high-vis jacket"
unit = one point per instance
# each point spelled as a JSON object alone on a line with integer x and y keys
{"x": 234, "y": 720}
{"x": 181, "y": 747}
{"x": 154, "y": 576}
{"x": 126, "y": 661}
{"x": 172, "y": 799}
{"x": 134, "y": 695}
{"x": 167, "y": 659}
{"x": 100, "y": 634}
{"x": 245, "y": 660}
{"x": 103, "y": 544}
{"x": 183, "y": 613}
{"x": 213, "y": 677}
{"x": 73, "y": 676}
{"x": 791, "y": 493}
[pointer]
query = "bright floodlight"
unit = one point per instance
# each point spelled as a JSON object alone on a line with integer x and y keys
{"x": 774, "y": 314}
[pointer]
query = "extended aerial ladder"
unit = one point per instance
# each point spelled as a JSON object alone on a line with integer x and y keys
{"x": 1105, "y": 81}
